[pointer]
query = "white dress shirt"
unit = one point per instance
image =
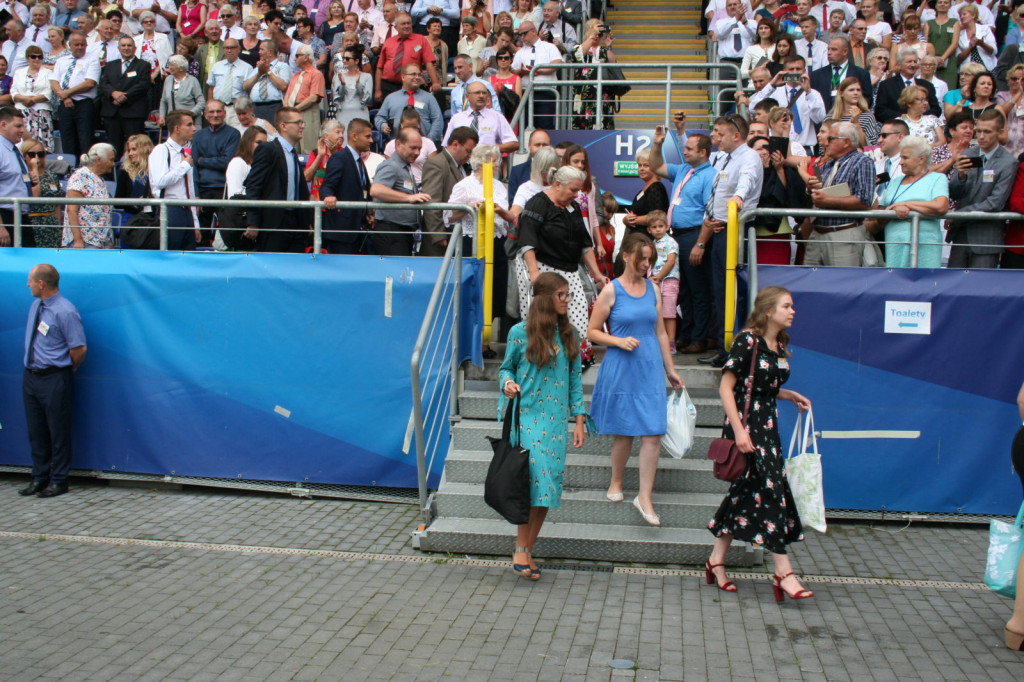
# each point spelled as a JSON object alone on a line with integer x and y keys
{"x": 818, "y": 53}
{"x": 470, "y": 189}
{"x": 279, "y": 69}
{"x": 738, "y": 174}
{"x": 132, "y": 25}
{"x": 540, "y": 52}
{"x": 173, "y": 178}
{"x": 728, "y": 31}
{"x": 82, "y": 69}
{"x": 15, "y": 53}
{"x": 492, "y": 127}
{"x": 95, "y": 50}
{"x": 38, "y": 36}
{"x": 810, "y": 107}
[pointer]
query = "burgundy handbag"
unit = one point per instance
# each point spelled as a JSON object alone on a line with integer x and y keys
{"x": 730, "y": 463}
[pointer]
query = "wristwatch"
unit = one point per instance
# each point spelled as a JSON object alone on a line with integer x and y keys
{"x": 701, "y": 245}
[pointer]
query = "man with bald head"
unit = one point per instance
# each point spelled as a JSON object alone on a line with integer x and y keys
{"x": 828, "y": 78}
{"x": 226, "y": 81}
{"x": 14, "y": 47}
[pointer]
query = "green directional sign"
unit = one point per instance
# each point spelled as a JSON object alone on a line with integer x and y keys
{"x": 625, "y": 169}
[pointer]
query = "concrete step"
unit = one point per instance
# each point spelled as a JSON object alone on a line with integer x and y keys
{"x": 483, "y": 404}
{"x": 590, "y": 472}
{"x": 587, "y": 541}
{"x": 677, "y": 510}
{"x": 472, "y": 434}
{"x": 694, "y": 374}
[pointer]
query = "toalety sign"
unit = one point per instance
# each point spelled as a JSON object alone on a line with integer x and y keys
{"x": 908, "y": 317}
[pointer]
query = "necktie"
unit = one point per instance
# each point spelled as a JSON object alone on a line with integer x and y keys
{"x": 475, "y": 125}
{"x": 412, "y": 98}
{"x": 675, "y": 197}
{"x": 390, "y": 28}
{"x": 907, "y": 83}
{"x": 124, "y": 67}
{"x": 835, "y": 77}
{"x": 227, "y": 86}
{"x": 36, "y": 36}
{"x": 709, "y": 208}
{"x": 364, "y": 180}
{"x": 67, "y": 75}
{"x": 810, "y": 53}
{"x": 396, "y": 63}
{"x": 798, "y": 125}
{"x": 32, "y": 336}
{"x": 103, "y": 52}
{"x": 295, "y": 175}
{"x": 737, "y": 41}
{"x": 188, "y": 192}
{"x": 264, "y": 88}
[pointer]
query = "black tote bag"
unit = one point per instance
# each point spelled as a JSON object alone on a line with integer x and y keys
{"x": 507, "y": 487}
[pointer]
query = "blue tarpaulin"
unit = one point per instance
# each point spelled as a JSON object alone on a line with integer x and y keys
{"x": 252, "y": 366}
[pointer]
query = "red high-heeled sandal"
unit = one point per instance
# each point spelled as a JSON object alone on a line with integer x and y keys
{"x": 781, "y": 594}
{"x": 727, "y": 586}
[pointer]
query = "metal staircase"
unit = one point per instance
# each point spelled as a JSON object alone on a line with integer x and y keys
{"x": 586, "y": 526}
{"x": 658, "y": 31}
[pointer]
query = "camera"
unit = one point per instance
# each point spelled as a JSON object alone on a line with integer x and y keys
{"x": 603, "y": 30}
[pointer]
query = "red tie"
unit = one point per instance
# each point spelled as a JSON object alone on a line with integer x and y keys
{"x": 188, "y": 195}
{"x": 36, "y": 36}
{"x": 412, "y": 100}
{"x": 388, "y": 35}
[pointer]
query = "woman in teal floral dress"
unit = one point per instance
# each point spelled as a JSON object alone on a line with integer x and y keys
{"x": 596, "y": 47}
{"x": 759, "y": 506}
{"x": 542, "y": 365}
{"x": 43, "y": 218}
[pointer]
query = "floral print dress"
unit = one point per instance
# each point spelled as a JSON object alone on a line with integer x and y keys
{"x": 584, "y": 97}
{"x": 759, "y": 507}
{"x": 549, "y": 397}
{"x": 94, "y": 219}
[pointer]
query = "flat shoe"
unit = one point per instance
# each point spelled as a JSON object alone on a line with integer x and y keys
{"x": 614, "y": 497}
{"x": 652, "y": 519}
{"x": 33, "y": 488}
{"x": 53, "y": 490}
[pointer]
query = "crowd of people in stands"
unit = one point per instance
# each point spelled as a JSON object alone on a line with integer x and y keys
{"x": 88, "y": 79}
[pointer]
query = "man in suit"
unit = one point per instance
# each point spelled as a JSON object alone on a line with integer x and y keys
{"x": 210, "y": 52}
{"x": 979, "y": 243}
{"x": 346, "y": 179}
{"x": 827, "y": 79}
{"x": 521, "y": 173}
{"x": 440, "y": 173}
{"x": 277, "y": 175}
{"x": 889, "y": 91}
{"x": 124, "y": 95}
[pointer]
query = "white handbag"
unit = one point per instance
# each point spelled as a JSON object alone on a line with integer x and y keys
{"x": 803, "y": 469}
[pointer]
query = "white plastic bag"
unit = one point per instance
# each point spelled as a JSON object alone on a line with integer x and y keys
{"x": 804, "y": 472}
{"x": 682, "y": 421}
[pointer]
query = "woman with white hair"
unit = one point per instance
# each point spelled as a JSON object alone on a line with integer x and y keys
{"x": 181, "y": 91}
{"x": 919, "y": 190}
{"x": 152, "y": 46}
{"x": 87, "y": 226}
{"x": 554, "y": 238}
{"x": 544, "y": 160}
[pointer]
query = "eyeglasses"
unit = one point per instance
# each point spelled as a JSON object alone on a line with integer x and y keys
{"x": 153, "y": 21}
{"x": 885, "y": 135}
{"x": 564, "y": 296}
{"x": 349, "y": 59}
{"x": 298, "y": 122}
{"x": 414, "y": 75}
{"x": 830, "y": 138}
{"x": 35, "y": 155}
{"x": 506, "y": 58}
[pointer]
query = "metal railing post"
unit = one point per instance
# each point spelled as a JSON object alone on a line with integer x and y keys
{"x": 668, "y": 94}
{"x": 16, "y": 237}
{"x": 915, "y": 238}
{"x": 599, "y": 102}
{"x": 163, "y": 225}
{"x": 752, "y": 287}
{"x": 732, "y": 238}
{"x": 318, "y": 231}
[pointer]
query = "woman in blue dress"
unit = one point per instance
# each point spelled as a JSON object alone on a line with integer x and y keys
{"x": 542, "y": 365}
{"x": 918, "y": 190}
{"x": 629, "y": 396}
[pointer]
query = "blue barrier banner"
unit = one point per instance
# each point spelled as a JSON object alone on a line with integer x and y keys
{"x": 252, "y": 366}
{"x": 909, "y": 350}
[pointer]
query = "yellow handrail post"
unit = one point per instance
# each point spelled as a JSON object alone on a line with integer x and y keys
{"x": 485, "y": 246}
{"x": 732, "y": 243}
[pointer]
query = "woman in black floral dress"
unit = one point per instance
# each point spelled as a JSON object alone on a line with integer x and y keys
{"x": 759, "y": 507}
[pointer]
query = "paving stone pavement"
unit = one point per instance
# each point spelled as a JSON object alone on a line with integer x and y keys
{"x": 149, "y": 605}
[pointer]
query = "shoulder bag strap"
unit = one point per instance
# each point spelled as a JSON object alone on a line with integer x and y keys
{"x": 511, "y": 414}
{"x": 750, "y": 387}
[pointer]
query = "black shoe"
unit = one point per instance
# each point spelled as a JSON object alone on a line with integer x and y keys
{"x": 33, "y": 488}
{"x": 489, "y": 354}
{"x": 53, "y": 490}
{"x": 717, "y": 360}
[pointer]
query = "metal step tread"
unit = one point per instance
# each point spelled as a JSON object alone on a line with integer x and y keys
{"x": 482, "y": 389}
{"x": 590, "y": 495}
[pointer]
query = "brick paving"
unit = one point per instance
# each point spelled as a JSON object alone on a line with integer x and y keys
{"x": 88, "y": 610}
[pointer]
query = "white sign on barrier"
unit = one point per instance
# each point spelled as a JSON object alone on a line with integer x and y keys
{"x": 908, "y": 317}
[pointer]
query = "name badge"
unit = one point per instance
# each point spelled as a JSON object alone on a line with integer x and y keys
{"x": 43, "y": 328}
{"x": 723, "y": 176}
{"x": 783, "y": 363}
{"x": 834, "y": 93}
{"x": 677, "y": 201}
{"x": 988, "y": 176}
{"x": 130, "y": 74}
{"x": 949, "y": 30}
{"x": 408, "y": 186}
{"x": 418, "y": 105}
{"x": 417, "y": 48}
{"x": 25, "y": 177}
{"x": 569, "y": 209}
{"x": 508, "y": 86}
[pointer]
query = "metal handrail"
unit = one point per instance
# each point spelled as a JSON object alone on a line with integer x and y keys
{"x": 163, "y": 204}
{"x": 715, "y": 86}
{"x": 451, "y": 269}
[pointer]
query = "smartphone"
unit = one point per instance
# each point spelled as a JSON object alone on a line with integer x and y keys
{"x": 882, "y": 177}
{"x": 976, "y": 161}
{"x": 793, "y": 78}
{"x": 780, "y": 144}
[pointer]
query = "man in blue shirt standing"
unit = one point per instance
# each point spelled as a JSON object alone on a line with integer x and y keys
{"x": 15, "y": 178}
{"x": 691, "y": 189}
{"x": 54, "y": 348}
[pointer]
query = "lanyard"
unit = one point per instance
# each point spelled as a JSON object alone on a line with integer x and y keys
{"x": 900, "y": 189}
{"x": 837, "y": 76}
